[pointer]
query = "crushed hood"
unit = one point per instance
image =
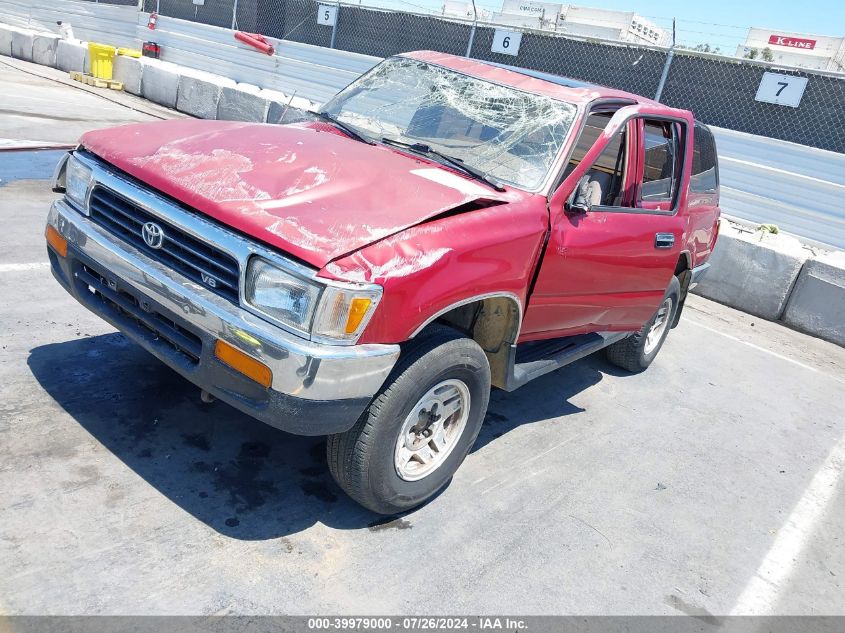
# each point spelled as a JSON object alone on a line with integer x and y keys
{"x": 306, "y": 189}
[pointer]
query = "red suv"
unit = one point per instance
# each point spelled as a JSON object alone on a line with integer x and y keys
{"x": 441, "y": 227}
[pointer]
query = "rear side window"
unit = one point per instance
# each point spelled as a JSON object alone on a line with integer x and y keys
{"x": 660, "y": 168}
{"x": 705, "y": 172}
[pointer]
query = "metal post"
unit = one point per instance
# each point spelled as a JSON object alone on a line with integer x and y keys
{"x": 665, "y": 74}
{"x": 235, "y": 15}
{"x": 472, "y": 31}
{"x": 334, "y": 26}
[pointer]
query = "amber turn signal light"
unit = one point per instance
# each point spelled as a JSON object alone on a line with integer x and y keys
{"x": 243, "y": 363}
{"x": 55, "y": 240}
{"x": 357, "y": 311}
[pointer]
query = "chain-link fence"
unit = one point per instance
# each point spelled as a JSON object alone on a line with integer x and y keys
{"x": 719, "y": 90}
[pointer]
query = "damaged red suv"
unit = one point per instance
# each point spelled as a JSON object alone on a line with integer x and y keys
{"x": 441, "y": 227}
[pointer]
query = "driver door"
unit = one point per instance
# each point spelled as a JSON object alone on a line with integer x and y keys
{"x": 606, "y": 268}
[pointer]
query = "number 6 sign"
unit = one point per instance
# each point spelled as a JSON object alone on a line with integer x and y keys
{"x": 781, "y": 89}
{"x": 506, "y": 42}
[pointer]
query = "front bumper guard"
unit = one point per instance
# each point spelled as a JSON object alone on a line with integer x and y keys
{"x": 317, "y": 389}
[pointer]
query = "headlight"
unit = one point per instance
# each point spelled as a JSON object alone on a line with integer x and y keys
{"x": 280, "y": 295}
{"x": 330, "y": 312}
{"x": 78, "y": 179}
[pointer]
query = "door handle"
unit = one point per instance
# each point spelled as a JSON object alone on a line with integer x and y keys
{"x": 664, "y": 240}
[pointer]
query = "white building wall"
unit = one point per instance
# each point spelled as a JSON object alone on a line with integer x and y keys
{"x": 459, "y": 9}
{"x": 818, "y": 52}
{"x": 521, "y": 21}
{"x": 625, "y": 26}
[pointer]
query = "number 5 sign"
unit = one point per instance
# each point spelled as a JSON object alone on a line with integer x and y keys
{"x": 327, "y": 14}
{"x": 781, "y": 89}
{"x": 506, "y": 42}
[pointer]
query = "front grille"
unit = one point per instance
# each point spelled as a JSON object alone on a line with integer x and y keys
{"x": 193, "y": 258}
{"x": 151, "y": 322}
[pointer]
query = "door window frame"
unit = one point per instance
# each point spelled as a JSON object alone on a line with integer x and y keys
{"x": 634, "y": 128}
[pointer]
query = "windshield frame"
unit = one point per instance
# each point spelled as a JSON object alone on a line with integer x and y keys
{"x": 555, "y": 165}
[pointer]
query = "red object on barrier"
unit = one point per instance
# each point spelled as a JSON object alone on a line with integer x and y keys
{"x": 255, "y": 40}
{"x": 151, "y": 49}
{"x": 152, "y": 23}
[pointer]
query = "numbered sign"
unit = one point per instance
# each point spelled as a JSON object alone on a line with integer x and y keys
{"x": 327, "y": 14}
{"x": 781, "y": 89}
{"x": 506, "y": 42}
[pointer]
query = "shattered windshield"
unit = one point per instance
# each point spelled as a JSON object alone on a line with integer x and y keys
{"x": 505, "y": 133}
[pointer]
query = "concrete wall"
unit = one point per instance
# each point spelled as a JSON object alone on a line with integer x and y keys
{"x": 817, "y": 303}
{"x": 128, "y": 71}
{"x": 160, "y": 82}
{"x": 199, "y": 93}
{"x": 22, "y": 44}
{"x": 72, "y": 56}
{"x": 776, "y": 278}
{"x": 44, "y": 49}
{"x": 754, "y": 272}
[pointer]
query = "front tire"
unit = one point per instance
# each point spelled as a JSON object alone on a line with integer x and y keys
{"x": 637, "y": 352}
{"x": 420, "y": 426}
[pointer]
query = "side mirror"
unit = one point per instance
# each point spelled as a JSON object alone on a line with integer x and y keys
{"x": 580, "y": 200}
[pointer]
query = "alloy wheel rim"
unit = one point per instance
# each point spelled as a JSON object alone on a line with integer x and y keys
{"x": 661, "y": 322}
{"x": 432, "y": 430}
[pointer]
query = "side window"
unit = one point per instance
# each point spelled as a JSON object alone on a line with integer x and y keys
{"x": 661, "y": 168}
{"x": 607, "y": 174}
{"x": 593, "y": 127}
{"x": 705, "y": 172}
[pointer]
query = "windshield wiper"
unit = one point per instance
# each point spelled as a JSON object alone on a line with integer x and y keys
{"x": 457, "y": 163}
{"x": 351, "y": 131}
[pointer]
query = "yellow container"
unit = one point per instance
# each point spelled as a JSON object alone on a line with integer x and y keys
{"x": 100, "y": 57}
{"x": 129, "y": 52}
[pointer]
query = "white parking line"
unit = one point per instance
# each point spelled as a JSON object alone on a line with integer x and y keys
{"x": 14, "y": 268}
{"x": 767, "y": 351}
{"x": 761, "y": 594}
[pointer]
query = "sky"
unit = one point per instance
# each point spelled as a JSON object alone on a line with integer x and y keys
{"x": 720, "y": 23}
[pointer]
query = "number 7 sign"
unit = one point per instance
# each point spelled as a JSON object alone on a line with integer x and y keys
{"x": 781, "y": 89}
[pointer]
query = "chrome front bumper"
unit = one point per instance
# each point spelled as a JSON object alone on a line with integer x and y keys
{"x": 316, "y": 388}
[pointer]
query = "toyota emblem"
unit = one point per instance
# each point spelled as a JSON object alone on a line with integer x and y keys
{"x": 153, "y": 235}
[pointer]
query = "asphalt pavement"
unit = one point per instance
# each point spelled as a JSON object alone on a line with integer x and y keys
{"x": 710, "y": 484}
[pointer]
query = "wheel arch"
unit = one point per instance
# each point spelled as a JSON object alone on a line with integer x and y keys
{"x": 493, "y": 320}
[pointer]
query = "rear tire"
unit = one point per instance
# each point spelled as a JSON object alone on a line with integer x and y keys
{"x": 637, "y": 352}
{"x": 419, "y": 427}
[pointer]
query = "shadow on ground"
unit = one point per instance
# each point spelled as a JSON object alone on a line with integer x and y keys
{"x": 241, "y": 477}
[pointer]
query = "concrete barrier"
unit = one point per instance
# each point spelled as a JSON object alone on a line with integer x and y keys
{"x": 72, "y": 56}
{"x": 22, "y": 45}
{"x": 282, "y": 109}
{"x": 44, "y": 49}
{"x": 304, "y": 104}
{"x": 160, "y": 82}
{"x": 753, "y": 272}
{"x": 817, "y": 303}
{"x": 6, "y": 39}
{"x": 128, "y": 71}
{"x": 242, "y": 103}
{"x": 199, "y": 93}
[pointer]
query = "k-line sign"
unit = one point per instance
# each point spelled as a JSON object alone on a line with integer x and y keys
{"x": 792, "y": 42}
